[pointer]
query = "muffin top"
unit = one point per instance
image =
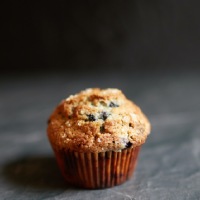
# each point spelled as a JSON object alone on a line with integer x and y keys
{"x": 97, "y": 120}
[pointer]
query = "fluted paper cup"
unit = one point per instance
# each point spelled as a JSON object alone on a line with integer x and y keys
{"x": 97, "y": 170}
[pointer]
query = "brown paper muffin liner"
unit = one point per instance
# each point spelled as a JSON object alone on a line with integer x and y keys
{"x": 97, "y": 170}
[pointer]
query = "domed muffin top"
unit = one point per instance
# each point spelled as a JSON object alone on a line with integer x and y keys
{"x": 97, "y": 120}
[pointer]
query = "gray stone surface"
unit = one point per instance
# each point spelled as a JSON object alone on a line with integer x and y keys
{"x": 169, "y": 162}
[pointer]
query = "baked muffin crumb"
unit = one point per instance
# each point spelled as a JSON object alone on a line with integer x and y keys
{"x": 97, "y": 120}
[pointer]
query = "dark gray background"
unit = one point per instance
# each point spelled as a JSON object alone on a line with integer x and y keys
{"x": 87, "y": 35}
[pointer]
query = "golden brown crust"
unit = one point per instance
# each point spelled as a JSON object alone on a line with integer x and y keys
{"x": 97, "y": 120}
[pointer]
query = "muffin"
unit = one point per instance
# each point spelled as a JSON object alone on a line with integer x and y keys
{"x": 96, "y": 136}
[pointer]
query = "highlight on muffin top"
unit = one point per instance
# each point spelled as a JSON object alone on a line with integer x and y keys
{"x": 97, "y": 120}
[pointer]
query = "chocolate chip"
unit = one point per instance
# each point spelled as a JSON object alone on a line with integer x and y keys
{"x": 104, "y": 116}
{"x": 129, "y": 144}
{"x": 113, "y": 105}
{"x": 91, "y": 117}
{"x": 49, "y": 121}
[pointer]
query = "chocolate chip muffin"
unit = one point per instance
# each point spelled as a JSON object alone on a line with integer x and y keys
{"x": 96, "y": 136}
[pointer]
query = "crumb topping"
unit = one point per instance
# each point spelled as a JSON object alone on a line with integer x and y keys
{"x": 97, "y": 120}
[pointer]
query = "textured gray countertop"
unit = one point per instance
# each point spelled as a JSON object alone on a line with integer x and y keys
{"x": 169, "y": 162}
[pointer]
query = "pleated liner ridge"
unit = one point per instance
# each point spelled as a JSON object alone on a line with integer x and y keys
{"x": 97, "y": 170}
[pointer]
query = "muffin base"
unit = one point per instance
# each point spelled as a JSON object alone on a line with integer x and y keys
{"x": 97, "y": 170}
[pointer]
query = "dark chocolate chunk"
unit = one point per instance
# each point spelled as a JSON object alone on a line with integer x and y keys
{"x": 91, "y": 117}
{"x": 129, "y": 144}
{"x": 113, "y": 105}
{"x": 104, "y": 116}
